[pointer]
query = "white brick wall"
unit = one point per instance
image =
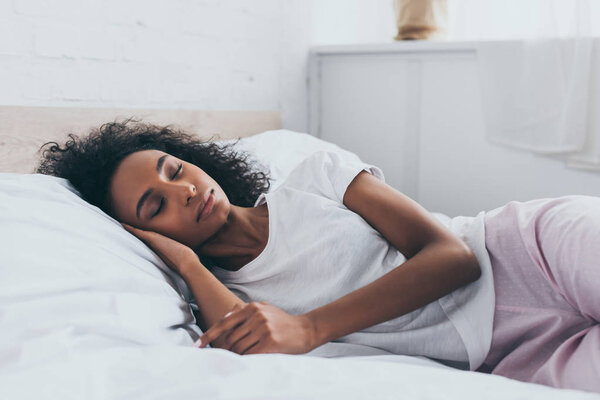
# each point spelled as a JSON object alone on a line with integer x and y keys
{"x": 194, "y": 54}
{"x": 207, "y": 54}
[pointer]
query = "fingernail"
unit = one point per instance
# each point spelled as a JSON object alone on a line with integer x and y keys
{"x": 228, "y": 314}
{"x": 198, "y": 343}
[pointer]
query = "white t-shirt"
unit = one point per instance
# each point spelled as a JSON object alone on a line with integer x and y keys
{"x": 318, "y": 251}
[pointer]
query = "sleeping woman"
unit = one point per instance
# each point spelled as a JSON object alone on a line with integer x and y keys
{"x": 336, "y": 254}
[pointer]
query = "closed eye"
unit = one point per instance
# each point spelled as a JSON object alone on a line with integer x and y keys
{"x": 162, "y": 201}
{"x": 177, "y": 172}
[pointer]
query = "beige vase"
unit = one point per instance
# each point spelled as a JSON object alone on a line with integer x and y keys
{"x": 421, "y": 19}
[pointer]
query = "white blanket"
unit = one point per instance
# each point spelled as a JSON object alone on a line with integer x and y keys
{"x": 179, "y": 372}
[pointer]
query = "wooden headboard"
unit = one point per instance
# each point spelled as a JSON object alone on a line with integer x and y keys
{"x": 24, "y": 129}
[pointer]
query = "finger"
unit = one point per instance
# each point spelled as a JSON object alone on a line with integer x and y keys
{"x": 218, "y": 339}
{"x": 257, "y": 332}
{"x": 226, "y": 334}
{"x": 240, "y": 332}
{"x": 230, "y": 343}
{"x": 256, "y": 348}
{"x": 236, "y": 307}
{"x": 217, "y": 329}
{"x": 130, "y": 228}
{"x": 225, "y": 324}
{"x": 246, "y": 343}
{"x": 140, "y": 233}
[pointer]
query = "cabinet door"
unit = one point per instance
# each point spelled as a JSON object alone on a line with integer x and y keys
{"x": 369, "y": 104}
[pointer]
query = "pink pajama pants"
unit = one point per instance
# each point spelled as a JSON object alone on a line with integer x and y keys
{"x": 546, "y": 264}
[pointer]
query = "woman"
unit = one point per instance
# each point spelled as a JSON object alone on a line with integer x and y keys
{"x": 512, "y": 291}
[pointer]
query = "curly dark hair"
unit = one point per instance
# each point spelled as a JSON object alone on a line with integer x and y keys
{"x": 89, "y": 162}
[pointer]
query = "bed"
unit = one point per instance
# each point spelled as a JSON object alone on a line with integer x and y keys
{"x": 88, "y": 311}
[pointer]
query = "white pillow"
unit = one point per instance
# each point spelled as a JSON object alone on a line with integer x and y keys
{"x": 73, "y": 278}
{"x": 282, "y": 150}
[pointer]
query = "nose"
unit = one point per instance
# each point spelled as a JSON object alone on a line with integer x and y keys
{"x": 188, "y": 191}
{"x": 182, "y": 192}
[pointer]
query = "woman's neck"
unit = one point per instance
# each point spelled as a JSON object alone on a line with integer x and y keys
{"x": 241, "y": 239}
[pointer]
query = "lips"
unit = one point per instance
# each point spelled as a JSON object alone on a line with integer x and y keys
{"x": 203, "y": 204}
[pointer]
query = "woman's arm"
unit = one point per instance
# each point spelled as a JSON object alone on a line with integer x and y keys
{"x": 213, "y": 298}
{"x": 435, "y": 271}
{"x": 437, "y": 263}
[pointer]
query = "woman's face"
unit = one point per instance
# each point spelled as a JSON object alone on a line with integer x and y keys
{"x": 155, "y": 191}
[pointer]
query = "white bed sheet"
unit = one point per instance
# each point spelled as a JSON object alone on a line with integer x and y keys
{"x": 87, "y": 311}
{"x": 178, "y": 372}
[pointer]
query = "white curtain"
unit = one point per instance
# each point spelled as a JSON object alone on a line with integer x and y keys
{"x": 539, "y": 64}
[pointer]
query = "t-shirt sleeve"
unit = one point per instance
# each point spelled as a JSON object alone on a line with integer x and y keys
{"x": 329, "y": 174}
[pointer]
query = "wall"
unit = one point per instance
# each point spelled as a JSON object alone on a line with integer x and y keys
{"x": 149, "y": 54}
{"x": 191, "y": 54}
{"x": 352, "y": 21}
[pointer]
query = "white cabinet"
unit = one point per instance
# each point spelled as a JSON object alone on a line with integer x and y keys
{"x": 414, "y": 109}
{"x": 359, "y": 112}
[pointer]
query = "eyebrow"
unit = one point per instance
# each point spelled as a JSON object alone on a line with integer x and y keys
{"x": 147, "y": 193}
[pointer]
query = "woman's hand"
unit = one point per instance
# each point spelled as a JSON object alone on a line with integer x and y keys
{"x": 175, "y": 254}
{"x": 259, "y": 327}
